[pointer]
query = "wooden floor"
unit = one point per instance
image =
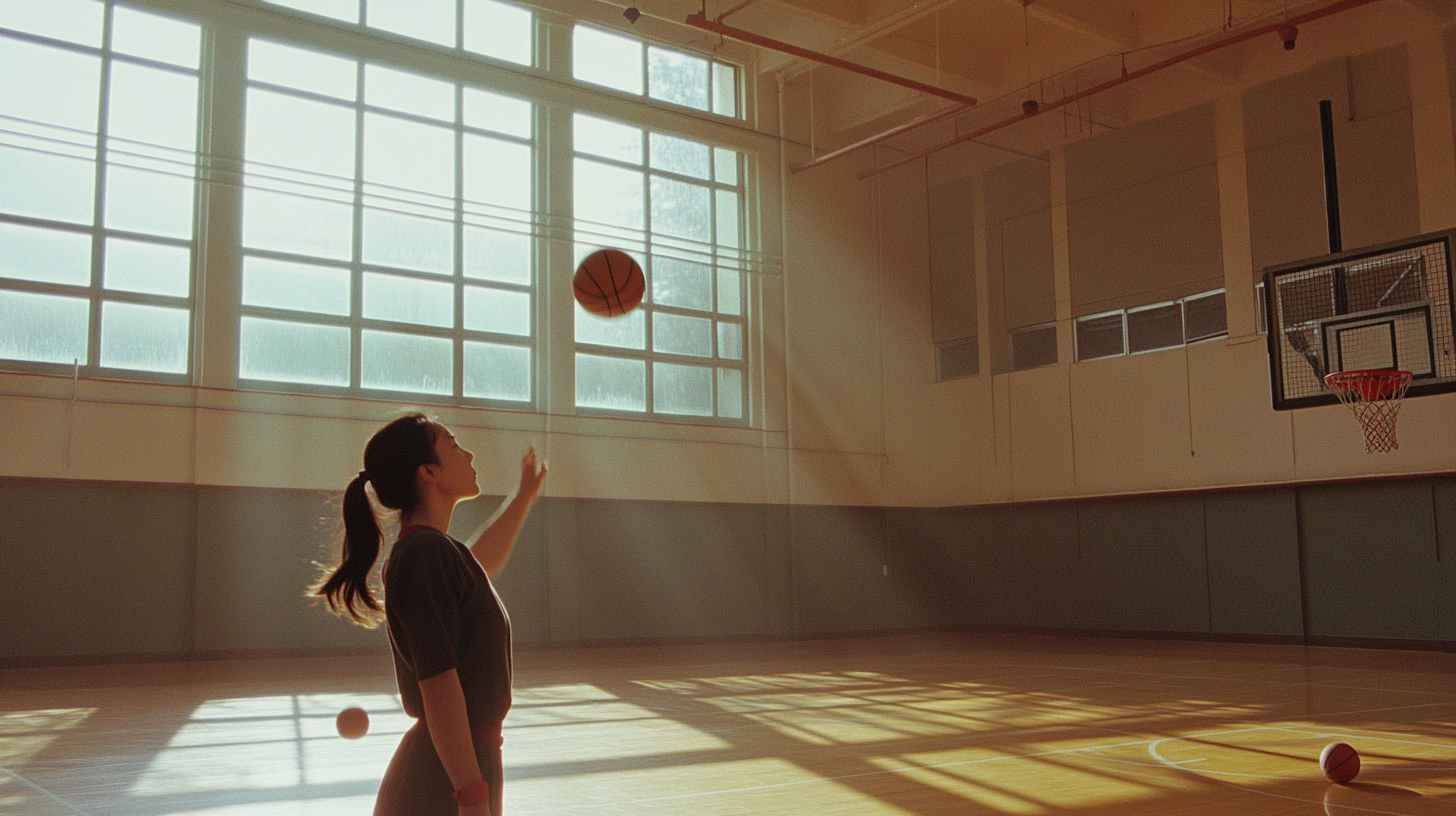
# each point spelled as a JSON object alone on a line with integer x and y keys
{"x": 925, "y": 724}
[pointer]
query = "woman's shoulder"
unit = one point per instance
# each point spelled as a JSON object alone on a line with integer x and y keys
{"x": 423, "y": 545}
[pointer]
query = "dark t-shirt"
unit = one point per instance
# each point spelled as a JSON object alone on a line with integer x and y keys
{"x": 442, "y": 614}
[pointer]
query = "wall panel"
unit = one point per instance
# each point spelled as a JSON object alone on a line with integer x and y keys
{"x": 101, "y": 570}
{"x": 1370, "y": 559}
{"x": 1143, "y": 561}
{"x": 1253, "y": 563}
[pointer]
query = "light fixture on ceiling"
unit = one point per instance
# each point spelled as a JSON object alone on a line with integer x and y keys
{"x": 632, "y": 14}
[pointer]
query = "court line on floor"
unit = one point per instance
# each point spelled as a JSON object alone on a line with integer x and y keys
{"x": 62, "y": 802}
{"x": 1213, "y": 776}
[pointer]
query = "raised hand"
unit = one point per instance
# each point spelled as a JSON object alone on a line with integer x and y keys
{"x": 533, "y": 473}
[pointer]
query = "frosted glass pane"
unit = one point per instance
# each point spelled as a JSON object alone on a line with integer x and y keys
{"x": 680, "y": 389}
{"x": 303, "y": 134}
{"x": 408, "y": 241}
{"x": 500, "y": 30}
{"x": 154, "y": 107}
{"x": 625, "y": 331}
{"x": 605, "y": 138}
{"x": 43, "y": 328}
{"x": 498, "y": 256}
{"x": 77, "y": 21}
{"x": 298, "y": 224}
{"x": 725, "y": 165}
{"x": 681, "y": 283}
{"x": 730, "y": 393}
{"x": 428, "y": 20}
{"x": 729, "y": 291}
{"x": 300, "y": 287}
{"x": 497, "y": 310}
{"x": 409, "y": 93}
{"x": 302, "y": 69}
{"x": 407, "y": 362}
{"x": 495, "y": 371}
{"x": 346, "y": 10}
{"x": 606, "y": 59}
{"x": 730, "y": 232}
{"x": 147, "y": 201}
{"x": 49, "y": 85}
{"x": 725, "y": 89}
{"x": 673, "y": 76}
{"x": 144, "y": 338}
{"x": 409, "y": 300}
{"x": 676, "y": 334}
{"x": 154, "y": 269}
{"x": 293, "y": 352}
{"x": 498, "y": 173}
{"x": 608, "y": 195}
{"x": 730, "y": 341}
{"x": 47, "y": 256}
{"x": 680, "y": 156}
{"x": 58, "y": 188}
{"x": 410, "y": 156}
{"x": 611, "y": 382}
{"x": 493, "y": 111}
{"x": 155, "y": 37}
{"x": 680, "y": 209}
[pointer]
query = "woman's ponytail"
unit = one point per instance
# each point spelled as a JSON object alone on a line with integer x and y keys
{"x": 347, "y": 587}
{"x": 391, "y": 459}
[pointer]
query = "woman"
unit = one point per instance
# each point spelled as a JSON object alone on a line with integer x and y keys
{"x": 449, "y": 632}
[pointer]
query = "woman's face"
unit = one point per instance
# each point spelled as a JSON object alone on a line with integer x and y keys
{"x": 456, "y": 474}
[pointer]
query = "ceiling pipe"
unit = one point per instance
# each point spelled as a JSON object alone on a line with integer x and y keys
{"x": 701, "y": 21}
{"x": 872, "y": 140}
{"x": 1332, "y": 9}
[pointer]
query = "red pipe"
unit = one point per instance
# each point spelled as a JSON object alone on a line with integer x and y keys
{"x": 1335, "y": 8}
{"x": 700, "y": 20}
{"x": 740, "y": 7}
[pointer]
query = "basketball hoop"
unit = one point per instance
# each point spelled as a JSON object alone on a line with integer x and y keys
{"x": 1374, "y": 396}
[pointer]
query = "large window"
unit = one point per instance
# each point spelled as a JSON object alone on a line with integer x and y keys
{"x": 371, "y": 198}
{"x": 386, "y": 230}
{"x": 677, "y": 205}
{"x": 98, "y": 152}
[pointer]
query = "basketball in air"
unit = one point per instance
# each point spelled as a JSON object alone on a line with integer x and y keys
{"x": 1339, "y": 762}
{"x": 609, "y": 283}
{"x": 352, "y": 722}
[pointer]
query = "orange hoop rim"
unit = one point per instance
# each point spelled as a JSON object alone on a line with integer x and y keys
{"x": 1370, "y": 383}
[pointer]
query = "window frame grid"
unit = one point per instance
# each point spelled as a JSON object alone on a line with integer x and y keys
{"x": 95, "y": 291}
{"x": 716, "y": 262}
{"x": 646, "y": 73}
{"x": 1181, "y": 303}
{"x": 357, "y": 267}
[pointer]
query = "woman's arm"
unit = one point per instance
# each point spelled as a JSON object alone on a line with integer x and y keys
{"x": 449, "y": 726}
{"x": 492, "y": 543}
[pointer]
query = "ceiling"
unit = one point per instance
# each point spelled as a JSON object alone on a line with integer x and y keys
{"x": 1003, "y": 52}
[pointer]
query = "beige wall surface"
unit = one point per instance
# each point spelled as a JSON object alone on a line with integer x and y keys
{"x": 846, "y": 370}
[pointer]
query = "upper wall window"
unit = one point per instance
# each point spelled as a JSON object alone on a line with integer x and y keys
{"x": 1149, "y": 328}
{"x": 98, "y": 155}
{"x": 490, "y": 27}
{"x": 627, "y": 64}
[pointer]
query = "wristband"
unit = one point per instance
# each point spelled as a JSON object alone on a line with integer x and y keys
{"x": 473, "y": 794}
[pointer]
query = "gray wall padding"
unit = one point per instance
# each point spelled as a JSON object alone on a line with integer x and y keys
{"x": 101, "y": 571}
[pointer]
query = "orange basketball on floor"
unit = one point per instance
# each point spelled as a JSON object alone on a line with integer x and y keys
{"x": 1339, "y": 762}
{"x": 609, "y": 283}
{"x": 352, "y": 722}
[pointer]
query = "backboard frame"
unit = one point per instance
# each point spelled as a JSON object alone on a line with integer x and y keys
{"x": 1340, "y": 263}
